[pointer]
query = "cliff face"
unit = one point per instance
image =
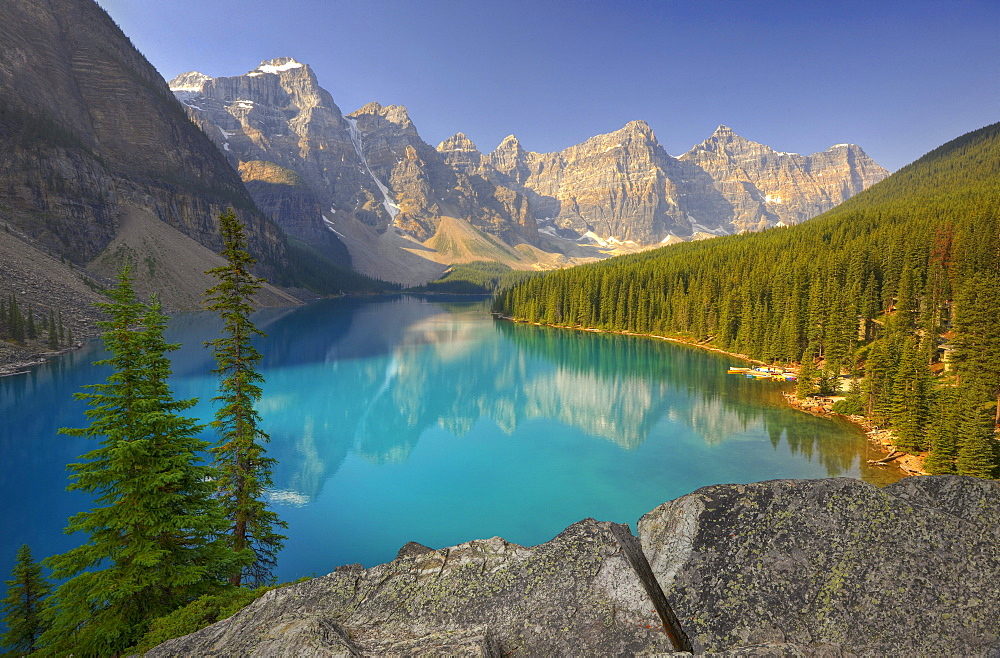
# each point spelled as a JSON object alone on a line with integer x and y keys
{"x": 766, "y": 188}
{"x": 787, "y": 567}
{"x": 369, "y": 166}
{"x": 611, "y": 194}
{"x": 90, "y": 132}
{"x": 623, "y": 186}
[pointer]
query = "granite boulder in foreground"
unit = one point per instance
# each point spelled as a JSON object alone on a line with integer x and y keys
{"x": 787, "y": 567}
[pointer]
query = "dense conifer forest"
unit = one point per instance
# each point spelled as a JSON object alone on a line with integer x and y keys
{"x": 898, "y": 287}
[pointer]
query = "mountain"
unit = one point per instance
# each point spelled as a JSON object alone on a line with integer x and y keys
{"x": 364, "y": 181}
{"x": 99, "y": 164}
{"x": 766, "y": 188}
{"x": 902, "y": 281}
{"x": 90, "y": 134}
{"x": 624, "y": 187}
{"x": 403, "y": 210}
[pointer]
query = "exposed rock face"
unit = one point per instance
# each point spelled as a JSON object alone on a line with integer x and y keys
{"x": 89, "y": 131}
{"x": 288, "y": 140}
{"x": 788, "y": 567}
{"x": 765, "y": 187}
{"x": 907, "y": 570}
{"x": 369, "y": 166}
{"x": 624, "y": 187}
{"x": 486, "y": 598}
{"x": 617, "y": 192}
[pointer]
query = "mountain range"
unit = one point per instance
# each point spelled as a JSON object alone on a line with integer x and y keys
{"x": 100, "y": 164}
{"x": 405, "y": 209}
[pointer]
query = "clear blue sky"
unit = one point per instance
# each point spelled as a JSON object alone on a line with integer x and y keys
{"x": 898, "y": 77}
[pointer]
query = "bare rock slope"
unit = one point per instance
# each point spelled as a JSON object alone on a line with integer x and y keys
{"x": 788, "y": 567}
{"x": 614, "y": 193}
{"x": 89, "y": 131}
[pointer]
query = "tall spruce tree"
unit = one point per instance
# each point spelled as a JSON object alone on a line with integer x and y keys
{"x": 155, "y": 533}
{"x": 51, "y": 329}
{"x": 23, "y": 605}
{"x": 244, "y": 468}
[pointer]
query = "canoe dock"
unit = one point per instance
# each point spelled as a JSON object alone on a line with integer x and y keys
{"x": 763, "y": 372}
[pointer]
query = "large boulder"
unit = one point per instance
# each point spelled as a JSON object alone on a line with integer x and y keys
{"x": 783, "y": 568}
{"x": 576, "y": 593}
{"x": 834, "y": 566}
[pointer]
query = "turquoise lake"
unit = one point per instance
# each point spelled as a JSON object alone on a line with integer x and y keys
{"x": 403, "y": 419}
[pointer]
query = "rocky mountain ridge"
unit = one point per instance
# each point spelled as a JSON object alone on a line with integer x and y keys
{"x": 383, "y": 192}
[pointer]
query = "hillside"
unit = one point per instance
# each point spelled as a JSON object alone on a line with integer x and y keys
{"x": 899, "y": 284}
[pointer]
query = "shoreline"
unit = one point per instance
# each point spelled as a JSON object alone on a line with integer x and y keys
{"x": 21, "y": 364}
{"x": 880, "y": 438}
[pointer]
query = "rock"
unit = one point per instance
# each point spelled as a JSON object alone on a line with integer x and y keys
{"x": 413, "y": 549}
{"x": 91, "y": 133}
{"x": 906, "y": 570}
{"x": 784, "y": 568}
{"x": 614, "y": 193}
{"x": 765, "y": 188}
{"x": 369, "y": 167}
{"x": 623, "y": 186}
{"x": 483, "y": 597}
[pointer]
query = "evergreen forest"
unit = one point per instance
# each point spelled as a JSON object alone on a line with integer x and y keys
{"x": 896, "y": 291}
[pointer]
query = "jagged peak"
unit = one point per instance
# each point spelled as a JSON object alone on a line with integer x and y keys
{"x": 190, "y": 81}
{"x": 457, "y": 142}
{"x": 276, "y": 66}
{"x": 725, "y": 139}
{"x": 638, "y": 126}
{"x": 725, "y": 133}
{"x": 396, "y": 114}
{"x": 373, "y": 107}
{"x": 509, "y": 143}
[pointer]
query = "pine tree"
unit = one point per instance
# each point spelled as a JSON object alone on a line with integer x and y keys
{"x": 15, "y": 321}
{"x": 805, "y": 383}
{"x": 977, "y": 447}
{"x": 51, "y": 329}
{"x": 942, "y": 432}
{"x": 155, "y": 531}
{"x": 244, "y": 469}
{"x": 23, "y": 605}
{"x": 30, "y": 330}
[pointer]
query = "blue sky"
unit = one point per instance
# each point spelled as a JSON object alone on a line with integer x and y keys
{"x": 897, "y": 77}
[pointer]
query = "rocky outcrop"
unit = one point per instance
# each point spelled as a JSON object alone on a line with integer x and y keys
{"x": 788, "y": 567}
{"x": 485, "y": 597}
{"x": 834, "y": 563}
{"x": 623, "y": 186}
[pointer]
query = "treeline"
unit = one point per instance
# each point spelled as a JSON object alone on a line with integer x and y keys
{"x": 20, "y": 323}
{"x": 475, "y": 278}
{"x": 310, "y": 268}
{"x": 899, "y": 286}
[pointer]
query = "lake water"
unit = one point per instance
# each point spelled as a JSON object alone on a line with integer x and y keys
{"x": 409, "y": 419}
